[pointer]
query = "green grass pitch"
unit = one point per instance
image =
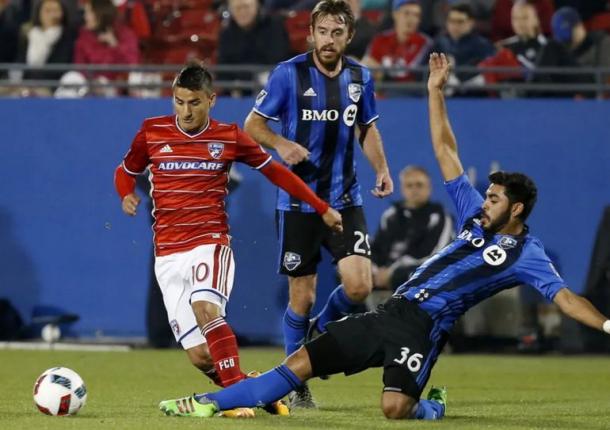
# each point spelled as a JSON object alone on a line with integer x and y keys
{"x": 485, "y": 392}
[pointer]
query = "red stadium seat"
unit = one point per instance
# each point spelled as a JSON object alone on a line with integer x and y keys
{"x": 179, "y": 54}
{"x": 599, "y": 22}
{"x": 193, "y": 25}
{"x": 373, "y": 15}
{"x": 179, "y": 4}
{"x": 297, "y": 27}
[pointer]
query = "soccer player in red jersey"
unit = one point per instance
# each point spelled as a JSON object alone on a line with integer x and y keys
{"x": 188, "y": 156}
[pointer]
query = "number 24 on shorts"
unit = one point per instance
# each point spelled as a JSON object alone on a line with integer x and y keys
{"x": 413, "y": 361}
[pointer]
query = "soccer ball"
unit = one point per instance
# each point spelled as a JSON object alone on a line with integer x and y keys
{"x": 59, "y": 391}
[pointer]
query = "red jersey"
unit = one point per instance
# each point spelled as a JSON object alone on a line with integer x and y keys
{"x": 389, "y": 52}
{"x": 189, "y": 176}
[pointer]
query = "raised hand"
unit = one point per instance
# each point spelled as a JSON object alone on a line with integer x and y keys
{"x": 439, "y": 71}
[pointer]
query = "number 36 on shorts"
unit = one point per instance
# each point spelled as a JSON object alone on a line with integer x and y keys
{"x": 413, "y": 361}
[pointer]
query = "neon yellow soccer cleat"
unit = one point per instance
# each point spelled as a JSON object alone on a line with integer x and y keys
{"x": 438, "y": 394}
{"x": 187, "y": 407}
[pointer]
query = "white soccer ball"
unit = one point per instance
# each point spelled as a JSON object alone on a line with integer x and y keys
{"x": 59, "y": 391}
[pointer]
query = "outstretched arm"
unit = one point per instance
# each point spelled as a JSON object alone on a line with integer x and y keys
{"x": 293, "y": 185}
{"x": 581, "y": 310}
{"x": 443, "y": 139}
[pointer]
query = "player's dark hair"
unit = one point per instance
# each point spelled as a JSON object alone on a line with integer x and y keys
{"x": 518, "y": 188}
{"x": 194, "y": 77}
{"x": 336, "y": 8}
{"x": 464, "y": 8}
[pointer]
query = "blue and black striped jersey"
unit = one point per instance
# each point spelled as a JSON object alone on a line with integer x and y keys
{"x": 320, "y": 113}
{"x": 477, "y": 264}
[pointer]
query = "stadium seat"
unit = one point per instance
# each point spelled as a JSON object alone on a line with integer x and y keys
{"x": 599, "y": 22}
{"x": 373, "y": 15}
{"x": 189, "y": 25}
{"x": 297, "y": 27}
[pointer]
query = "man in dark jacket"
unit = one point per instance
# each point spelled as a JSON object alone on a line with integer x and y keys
{"x": 461, "y": 43}
{"x": 251, "y": 37}
{"x": 409, "y": 232}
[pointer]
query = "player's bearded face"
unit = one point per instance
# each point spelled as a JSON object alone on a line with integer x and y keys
{"x": 331, "y": 36}
{"x": 496, "y": 209}
{"x": 192, "y": 107}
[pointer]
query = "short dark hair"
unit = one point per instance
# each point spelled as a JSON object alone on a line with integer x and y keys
{"x": 464, "y": 8}
{"x": 338, "y": 8}
{"x": 36, "y": 13}
{"x": 195, "y": 77}
{"x": 105, "y": 13}
{"x": 518, "y": 188}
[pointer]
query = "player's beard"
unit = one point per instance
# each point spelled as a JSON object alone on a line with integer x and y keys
{"x": 499, "y": 223}
{"x": 329, "y": 65}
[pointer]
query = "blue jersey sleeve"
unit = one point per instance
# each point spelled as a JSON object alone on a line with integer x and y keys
{"x": 537, "y": 270}
{"x": 467, "y": 200}
{"x": 271, "y": 101}
{"x": 368, "y": 108}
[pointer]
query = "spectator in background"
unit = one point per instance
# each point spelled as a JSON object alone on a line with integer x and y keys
{"x": 47, "y": 39}
{"x": 410, "y": 231}
{"x": 364, "y": 32}
{"x": 461, "y": 43}
{"x": 433, "y": 15}
{"x": 501, "y": 21}
{"x": 104, "y": 40}
{"x": 590, "y": 49}
{"x": 133, "y": 14}
{"x": 587, "y": 9}
{"x": 483, "y": 11}
{"x": 251, "y": 37}
{"x": 401, "y": 48}
{"x": 9, "y": 33}
{"x": 529, "y": 49}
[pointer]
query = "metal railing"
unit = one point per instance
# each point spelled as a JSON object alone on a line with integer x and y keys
{"x": 543, "y": 81}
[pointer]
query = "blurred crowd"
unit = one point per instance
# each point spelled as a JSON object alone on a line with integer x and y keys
{"x": 392, "y": 36}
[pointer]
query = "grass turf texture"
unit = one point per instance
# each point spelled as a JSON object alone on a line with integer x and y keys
{"x": 491, "y": 392}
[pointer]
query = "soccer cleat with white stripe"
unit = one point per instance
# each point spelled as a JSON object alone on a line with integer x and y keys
{"x": 187, "y": 407}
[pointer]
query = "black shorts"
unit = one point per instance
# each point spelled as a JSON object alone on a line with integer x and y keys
{"x": 399, "y": 336}
{"x": 302, "y": 235}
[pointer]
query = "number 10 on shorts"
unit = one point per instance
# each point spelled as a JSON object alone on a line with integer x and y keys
{"x": 199, "y": 273}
